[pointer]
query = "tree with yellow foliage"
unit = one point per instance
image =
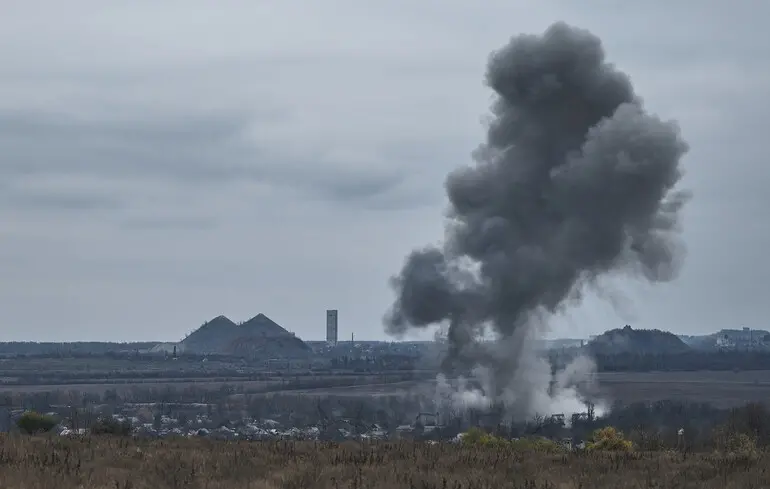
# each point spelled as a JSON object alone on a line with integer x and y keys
{"x": 609, "y": 439}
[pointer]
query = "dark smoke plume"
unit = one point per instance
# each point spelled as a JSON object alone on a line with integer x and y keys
{"x": 575, "y": 181}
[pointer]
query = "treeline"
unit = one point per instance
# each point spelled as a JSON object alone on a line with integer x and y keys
{"x": 232, "y": 367}
{"x": 688, "y": 361}
{"x": 648, "y": 425}
{"x": 685, "y": 361}
{"x": 70, "y": 348}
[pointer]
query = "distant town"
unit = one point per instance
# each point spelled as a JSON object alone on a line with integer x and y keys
{"x": 261, "y": 338}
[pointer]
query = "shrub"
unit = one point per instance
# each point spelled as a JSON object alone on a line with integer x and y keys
{"x": 478, "y": 437}
{"x": 111, "y": 426}
{"x": 31, "y": 422}
{"x": 741, "y": 444}
{"x": 733, "y": 442}
{"x": 609, "y": 439}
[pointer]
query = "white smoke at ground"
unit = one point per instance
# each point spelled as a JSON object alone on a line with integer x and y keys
{"x": 536, "y": 391}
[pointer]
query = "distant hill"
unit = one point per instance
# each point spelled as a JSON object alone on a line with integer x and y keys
{"x": 639, "y": 341}
{"x": 260, "y": 337}
{"x": 212, "y": 337}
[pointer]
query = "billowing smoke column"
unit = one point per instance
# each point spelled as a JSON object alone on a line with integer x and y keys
{"x": 575, "y": 181}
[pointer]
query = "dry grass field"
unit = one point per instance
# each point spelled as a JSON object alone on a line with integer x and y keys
{"x": 123, "y": 463}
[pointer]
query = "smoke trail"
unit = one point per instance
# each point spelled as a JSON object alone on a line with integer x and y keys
{"x": 575, "y": 180}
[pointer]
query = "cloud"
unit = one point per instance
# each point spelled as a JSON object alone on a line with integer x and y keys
{"x": 47, "y": 193}
{"x": 186, "y": 159}
{"x": 169, "y": 224}
{"x": 58, "y": 201}
{"x": 185, "y": 149}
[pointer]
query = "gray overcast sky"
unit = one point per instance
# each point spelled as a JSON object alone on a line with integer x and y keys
{"x": 162, "y": 163}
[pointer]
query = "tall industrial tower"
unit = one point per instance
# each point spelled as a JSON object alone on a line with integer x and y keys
{"x": 331, "y": 327}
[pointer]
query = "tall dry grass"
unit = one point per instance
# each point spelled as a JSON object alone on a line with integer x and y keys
{"x": 123, "y": 463}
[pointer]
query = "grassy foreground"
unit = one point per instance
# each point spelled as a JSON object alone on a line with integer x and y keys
{"x": 122, "y": 463}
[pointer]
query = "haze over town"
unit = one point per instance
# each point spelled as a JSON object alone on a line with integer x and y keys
{"x": 282, "y": 157}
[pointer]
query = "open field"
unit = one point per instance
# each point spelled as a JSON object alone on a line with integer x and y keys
{"x": 722, "y": 389}
{"x": 122, "y": 388}
{"x": 100, "y": 373}
{"x": 270, "y": 384}
{"x": 105, "y": 462}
